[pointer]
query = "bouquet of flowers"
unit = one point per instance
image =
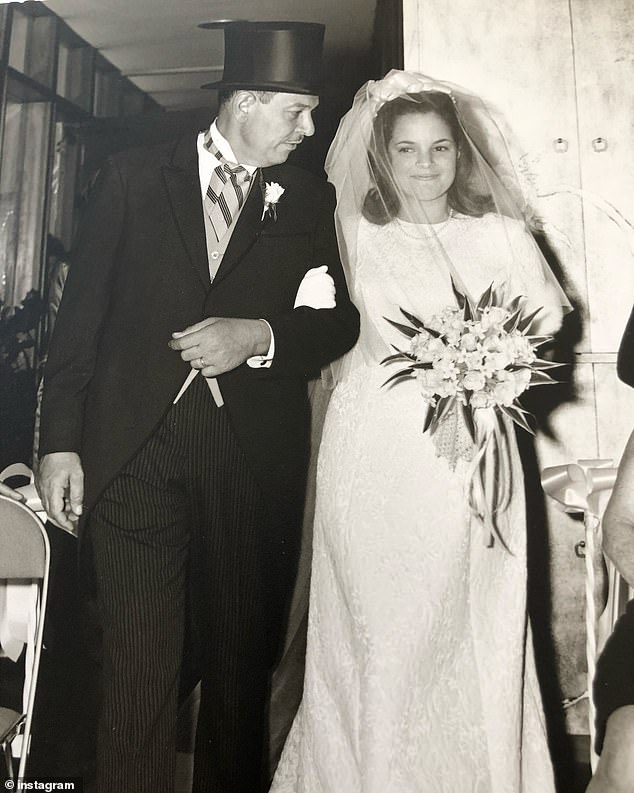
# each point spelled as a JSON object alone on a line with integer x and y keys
{"x": 475, "y": 358}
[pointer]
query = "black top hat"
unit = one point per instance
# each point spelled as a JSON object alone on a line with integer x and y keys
{"x": 272, "y": 56}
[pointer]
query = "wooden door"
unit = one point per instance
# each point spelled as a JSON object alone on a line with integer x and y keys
{"x": 603, "y": 38}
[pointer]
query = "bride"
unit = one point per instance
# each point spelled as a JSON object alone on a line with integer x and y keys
{"x": 420, "y": 676}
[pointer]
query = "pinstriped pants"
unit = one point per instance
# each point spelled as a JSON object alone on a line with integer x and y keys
{"x": 187, "y": 512}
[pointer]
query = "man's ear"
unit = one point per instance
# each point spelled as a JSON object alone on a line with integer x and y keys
{"x": 243, "y": 103}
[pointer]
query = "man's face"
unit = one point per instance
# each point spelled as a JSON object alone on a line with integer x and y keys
{"x": 272, "y": 130}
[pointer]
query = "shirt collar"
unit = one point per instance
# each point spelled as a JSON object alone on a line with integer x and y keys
{"x": 224, "y": 147}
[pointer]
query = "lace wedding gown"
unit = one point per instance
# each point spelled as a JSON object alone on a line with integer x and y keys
{"x": 420, "y": 676}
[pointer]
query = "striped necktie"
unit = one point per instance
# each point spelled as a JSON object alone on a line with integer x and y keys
{"x": 228, "y": 188}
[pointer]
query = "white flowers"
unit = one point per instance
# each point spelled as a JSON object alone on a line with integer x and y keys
{"x": 272, "y": 194}
{"x": 478, "y": 360}
{"x": 473, "y": 356}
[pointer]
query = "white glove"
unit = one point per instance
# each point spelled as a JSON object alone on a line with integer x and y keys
{"x": 317, "y": 289}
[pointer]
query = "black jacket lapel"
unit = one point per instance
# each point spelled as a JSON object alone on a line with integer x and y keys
{"x": 246, "y": 232}
{"x": 183, "y": 189}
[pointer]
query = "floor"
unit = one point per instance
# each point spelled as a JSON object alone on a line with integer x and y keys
{"x": 573, "y": 771}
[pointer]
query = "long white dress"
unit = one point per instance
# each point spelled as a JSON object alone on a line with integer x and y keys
{"x": 420, "y": 676}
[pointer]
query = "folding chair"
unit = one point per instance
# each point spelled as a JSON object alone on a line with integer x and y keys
{"x": 24, "y": 567}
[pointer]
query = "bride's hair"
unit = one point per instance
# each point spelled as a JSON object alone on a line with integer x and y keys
{"x": 382, "y": 201}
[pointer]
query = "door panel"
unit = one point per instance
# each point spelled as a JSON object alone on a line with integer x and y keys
{"x": 603, "y": 35}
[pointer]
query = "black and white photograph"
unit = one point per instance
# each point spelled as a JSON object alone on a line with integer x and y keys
{"x": 317, "y": 396}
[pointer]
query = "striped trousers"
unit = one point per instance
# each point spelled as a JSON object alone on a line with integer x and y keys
{"x": 186, "y": 517}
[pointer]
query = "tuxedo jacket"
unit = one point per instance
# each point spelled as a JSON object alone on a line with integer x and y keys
{"x": 139, "y": 272}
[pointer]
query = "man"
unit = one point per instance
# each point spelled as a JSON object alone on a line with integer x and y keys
{"x": 200, "y": 258}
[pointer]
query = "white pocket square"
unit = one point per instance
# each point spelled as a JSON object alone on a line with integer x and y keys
{"x": 317, "y": 289}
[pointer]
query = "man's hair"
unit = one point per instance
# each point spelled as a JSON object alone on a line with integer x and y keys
{"x": 224, "y": 97}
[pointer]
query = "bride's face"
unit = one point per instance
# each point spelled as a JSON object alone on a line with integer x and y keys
{"x": 423, "y": 154}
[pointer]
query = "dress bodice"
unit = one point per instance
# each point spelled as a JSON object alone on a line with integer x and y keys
{"x": 405, "y": 265}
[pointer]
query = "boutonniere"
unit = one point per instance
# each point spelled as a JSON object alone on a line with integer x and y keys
{"x": 272, "y": 192}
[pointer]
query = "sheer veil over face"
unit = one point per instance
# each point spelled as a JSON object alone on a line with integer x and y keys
{"x": 423, "y": 155}
{"x": 439, "y": 148}
{"x": 416, "y": 153}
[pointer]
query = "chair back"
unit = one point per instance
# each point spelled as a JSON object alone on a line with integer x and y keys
{"x": 23, "y": 541}
{"x": 24, "y": 558}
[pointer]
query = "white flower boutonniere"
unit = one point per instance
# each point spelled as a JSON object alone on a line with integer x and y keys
{"x": 272, "y": 194}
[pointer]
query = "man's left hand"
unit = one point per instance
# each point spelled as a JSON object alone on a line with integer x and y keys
{"x": 219, "y": 344}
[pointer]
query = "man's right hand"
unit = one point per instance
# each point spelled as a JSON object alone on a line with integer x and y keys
{"x": 60, "y": 483}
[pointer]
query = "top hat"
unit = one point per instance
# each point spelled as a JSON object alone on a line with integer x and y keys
{"x": 272, "y": 56}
